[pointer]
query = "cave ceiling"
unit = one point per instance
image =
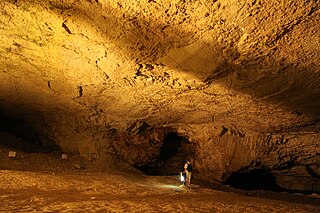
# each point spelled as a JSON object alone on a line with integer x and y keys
{"x": 83, "y": 70}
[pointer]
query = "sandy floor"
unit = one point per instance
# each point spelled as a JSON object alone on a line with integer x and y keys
{"x": 45, "y": 183}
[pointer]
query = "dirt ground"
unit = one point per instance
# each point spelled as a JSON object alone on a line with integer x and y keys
{"x": 35, "y": 182}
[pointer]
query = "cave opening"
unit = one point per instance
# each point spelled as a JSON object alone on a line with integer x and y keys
{"x": 172, "y": 155}
{"x": 170, "y": 146}
{"x": 15, "y": 134}
{"x": 257, "y": 179}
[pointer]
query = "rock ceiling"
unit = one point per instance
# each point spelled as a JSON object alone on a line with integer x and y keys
{"x": 237, "y": 80}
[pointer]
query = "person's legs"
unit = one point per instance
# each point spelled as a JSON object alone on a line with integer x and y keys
{"x": 188, "y": 178}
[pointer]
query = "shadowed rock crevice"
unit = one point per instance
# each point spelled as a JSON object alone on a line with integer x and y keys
{"x": 14, "y": 143}
{"x": 19, "y": 128}
{"x": 170, "y": 146}
{"x": 253, "y": 180}
{"x": 174, "y": 151}
{"x": 18, "y": 135}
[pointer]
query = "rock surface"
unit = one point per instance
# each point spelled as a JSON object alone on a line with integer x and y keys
{"x": 237, "y": 83}
{"x": 37, "y": 182}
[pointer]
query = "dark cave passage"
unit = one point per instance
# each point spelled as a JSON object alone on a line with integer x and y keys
{"x": 15, "y": 134}
{"x": 253, "y": 180}
{"x": 170, "y": 146}
{"x": 172, "y": 156}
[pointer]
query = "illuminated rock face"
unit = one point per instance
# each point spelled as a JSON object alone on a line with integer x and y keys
{"x": 234, "y": 86}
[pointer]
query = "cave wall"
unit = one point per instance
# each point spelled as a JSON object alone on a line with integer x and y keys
{"x": 238, "y": 80}
{"x": 290, "y": 157}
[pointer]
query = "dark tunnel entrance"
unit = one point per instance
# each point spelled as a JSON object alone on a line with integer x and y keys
{"x": 170, "y": 146}
{"x": 253, "y": 180}
{"x": 173, "y": 154}
{"x": 17, "y": 135}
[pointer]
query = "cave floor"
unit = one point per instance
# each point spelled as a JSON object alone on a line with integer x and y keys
{"x": 44, "y": 183}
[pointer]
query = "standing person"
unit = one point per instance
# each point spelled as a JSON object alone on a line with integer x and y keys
{"x": 188, "y": 170}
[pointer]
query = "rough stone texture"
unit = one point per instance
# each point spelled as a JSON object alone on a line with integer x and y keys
{"x": 237, "y": 81}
